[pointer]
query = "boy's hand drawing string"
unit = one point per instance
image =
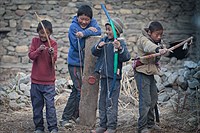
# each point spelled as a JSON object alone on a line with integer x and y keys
{"x": 185, "y": 43}
{"x": 49, "y": 43}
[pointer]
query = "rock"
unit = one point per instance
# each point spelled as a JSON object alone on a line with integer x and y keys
{"x": 61, "y": 85}
{"x": 5, "y": 42}
{"x": 163, "y": 69}
{"x": 9, "y": 59}
{"x": 67, "y": 10}
{"x": 23, "y": 99}
{"x": 193, "y": 83}
{"x": 24, "y": 7}
{"x": 13, "y": 95}
{"x": 24, "y": 79}
{"x": 71, "y": 4}
{"x": 2, "y": 11}
{"x": 3, "y": 24}
{"x": 22, "y": 87}
{"x": 64, "y": 50}
{"x": 160, "y": 86}
{"x": 157, "y": 78}
{"x": 22, "y": 49}
{"x": 190, "y": 64}
{"x": 173, "y": 60}
{"x": 62, "y": 98}
{"x": 14, "y": 106}
{"x": 181, "y": 71}
{"x": 186, "y": 74}
{"x": 25, "y": 60}
{"x": 64, "y": 70}
{"x": 163, "y": 97}
{"x": 182, "y": 82}
{"x": 197, "y": 75}
{"x": 26, "y": 24}
{"x": 125, "y": 11}
{"x": 172, "y": 78}
{"x": 10, "y": 48}
{"x": 20, "y": 12}
{"x": 164, "y": 59}
{"x": 167, "y": 74}
{"x": 12, "y": 23}
{"x": 27, "y": 91}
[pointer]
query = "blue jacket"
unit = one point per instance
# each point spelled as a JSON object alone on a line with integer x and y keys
{"x": 108, "y": 63}
{"x": 73, "y": 55}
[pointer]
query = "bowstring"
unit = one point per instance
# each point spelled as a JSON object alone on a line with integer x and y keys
{"x": 80, "y": 57}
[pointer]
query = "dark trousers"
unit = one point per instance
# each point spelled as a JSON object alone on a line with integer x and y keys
{"x": 40, "y": 95}
{"x": 72, "y": 106}
{"x": 108, "y": 108}
{"x": 148, "y": 97}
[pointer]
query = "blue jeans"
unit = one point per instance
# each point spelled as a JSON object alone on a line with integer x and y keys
{"x": 148, "y": 97}
{"x": 108, "y": 108}
{"x": 40, "y": 95}
{"x": 72, "y": 107}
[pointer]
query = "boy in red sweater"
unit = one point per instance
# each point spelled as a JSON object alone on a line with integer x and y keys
{"x": 43, "y": 78}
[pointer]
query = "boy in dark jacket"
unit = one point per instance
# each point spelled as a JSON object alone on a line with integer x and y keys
{"x": 104, "y": 50}
{"x": 43, "y": 78}
{"x": 83, "y": 25}
{"x": 148, "y": 43}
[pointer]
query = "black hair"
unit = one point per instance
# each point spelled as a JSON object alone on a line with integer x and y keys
{"x": 155, "y": 26}
{"x": 46, "y": 24}
{"x": 86, "y": 10}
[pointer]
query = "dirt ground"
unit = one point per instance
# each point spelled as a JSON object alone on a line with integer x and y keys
{"x": 21, "y": 122}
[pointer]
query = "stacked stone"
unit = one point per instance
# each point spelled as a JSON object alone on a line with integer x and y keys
{"x": 15, "y": 94}
{"x": 179, "y": 88}
{"x": 18, "y": 24}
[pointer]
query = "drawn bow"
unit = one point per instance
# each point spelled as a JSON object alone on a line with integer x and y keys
{"x": 185, "y": 42}
{"x": 49, "y": 43}
{"x": 115, "y": 50}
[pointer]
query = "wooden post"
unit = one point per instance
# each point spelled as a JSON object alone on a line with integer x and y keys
{"x": 90, "y": 86}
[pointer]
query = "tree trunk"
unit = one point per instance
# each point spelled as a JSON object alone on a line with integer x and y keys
{"x": 90, "y": 86}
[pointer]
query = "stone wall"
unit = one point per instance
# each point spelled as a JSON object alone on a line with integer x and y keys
{"x": 18, "y": 25}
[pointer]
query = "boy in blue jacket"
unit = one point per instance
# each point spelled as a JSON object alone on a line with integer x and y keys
{"x": 83, "y": 25}
{"x": 108, "y": 105}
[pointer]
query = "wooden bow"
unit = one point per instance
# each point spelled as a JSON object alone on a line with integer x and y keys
{"x": 170, "y": 49}
{"x": 49, "y": 43}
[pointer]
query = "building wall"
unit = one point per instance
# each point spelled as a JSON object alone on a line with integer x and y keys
{"x": 18, "y": 25}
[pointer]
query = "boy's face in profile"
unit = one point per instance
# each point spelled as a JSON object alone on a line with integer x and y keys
{"x": 109, "y": 32}
{"x": 83, "y": 21}
{"x": 42, "y": 35}
{"x": 156, "y": 35}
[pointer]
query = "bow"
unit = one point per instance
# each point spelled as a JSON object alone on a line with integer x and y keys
{"x": 115, "y": 50}
{"x": 49, "y": 43}
{"x": 170, "y": 49}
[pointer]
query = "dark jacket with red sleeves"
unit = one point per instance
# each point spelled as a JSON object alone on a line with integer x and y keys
{"x": 106, "y": 58}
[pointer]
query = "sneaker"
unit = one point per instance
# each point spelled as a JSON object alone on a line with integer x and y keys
{"x": 76, "y": 119}
{"x": 98, "y": 130}
{"x": 155, "y": 127}
{"x": 110, "y": 131}
{"x": 54, "y": 131}
{"x": 66, "y": 124}
{"x": 38, "y": 131}
{"x": 145, "y": 130}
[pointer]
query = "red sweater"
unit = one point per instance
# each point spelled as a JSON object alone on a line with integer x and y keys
{"x": 42, "y": 70}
